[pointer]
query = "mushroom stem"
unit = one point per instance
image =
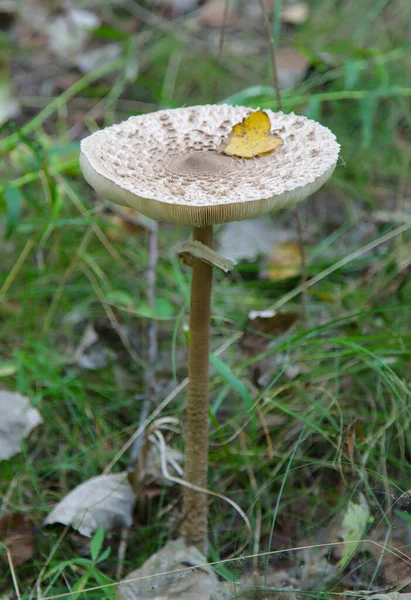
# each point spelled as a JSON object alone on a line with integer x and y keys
{"x": 195, "y": 505}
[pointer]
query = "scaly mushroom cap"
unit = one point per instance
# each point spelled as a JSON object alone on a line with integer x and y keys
{"x": 167, "y": 165}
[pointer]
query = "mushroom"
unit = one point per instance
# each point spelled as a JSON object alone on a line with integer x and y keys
{"x": 168, "y": 166}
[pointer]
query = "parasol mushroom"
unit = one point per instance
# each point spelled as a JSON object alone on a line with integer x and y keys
{"x": 169, "y": 166}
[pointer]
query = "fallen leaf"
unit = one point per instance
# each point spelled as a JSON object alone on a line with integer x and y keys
{"x": 261, "y": 327}
{"x": 285, "y": 261}
{"x": 353, "y": 526}
{"x": 16, "y": 533}
{"x": 174, "y": 8}
{"x": 261, "y": 330}
{"x": 91, "y": 353}
{"x": 392, "y": 549}
{"x": 256, "y": 586}
{"x": 126, "y": 221}
{"x": 93, "y": 59}
{"x": 389, "y": 596}
{"x": 69, "y": 32}
{"x": 247, "y": 240}
{"x": 296, "y": 13}
{"x": 17, "y": 420}
{"x": 123, "y": 223}
{"x": 189, "y": 583}
{"x": 252, "y": 137}
{"x": 292, "y": 67}
{"x": 105, "y": 500}
{"x": 217, "y": 14}
{"x": 316, "y": 572}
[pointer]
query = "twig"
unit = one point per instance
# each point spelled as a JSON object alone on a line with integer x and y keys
{"x": 135, "y": 465}
{"x": 151, "y": 297}
{"x": 152, "y": 352}
{"x": 13, "y": 573}
{"x": 16, "y": 267}
{"x": 304, "y": 277}
{"x": 399, "y": 200}
{"x": 258, "y": 520}
{"x": 273, "y": 54}
{"x": 122, "y": 549}
{"x": 223, "y": 30}
{"x": 276, "y": 86}
{"x": 138, "y": 442}
{"x": 8, "y": 494}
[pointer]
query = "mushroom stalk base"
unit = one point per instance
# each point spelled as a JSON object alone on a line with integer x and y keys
{"x": 195, "y": 504}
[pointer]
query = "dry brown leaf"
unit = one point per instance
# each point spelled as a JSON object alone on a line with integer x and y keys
{"x": 252, "y": 137}
{"x": 124, "y": 221}
{"x": 285, "y": 262}
{"x": 262, "y": 327}
{"x": 292, "y": 67}
{"x": 214, "y": 14}
{"x": 16, "y": 533}
{"x": 395, "y": 562}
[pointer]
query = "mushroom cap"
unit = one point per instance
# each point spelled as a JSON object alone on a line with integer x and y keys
{"x": 167, "y": 165}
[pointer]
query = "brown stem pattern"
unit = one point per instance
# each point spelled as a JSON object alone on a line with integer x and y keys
{"x": 195, "y": 504}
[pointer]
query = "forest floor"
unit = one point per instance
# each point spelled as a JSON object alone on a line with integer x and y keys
{"x": 310, "y": 415}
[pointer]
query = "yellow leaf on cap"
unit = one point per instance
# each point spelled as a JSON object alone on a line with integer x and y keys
{"x": 252, "y": 137}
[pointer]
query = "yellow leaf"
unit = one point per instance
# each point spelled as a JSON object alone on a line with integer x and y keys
{"x": 353, "y": 527}
{"x": 252, "y": 137}
{"x": 285, "y": 262}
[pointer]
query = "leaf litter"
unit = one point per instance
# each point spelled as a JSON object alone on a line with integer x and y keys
{"x": 391, "y": 596}
{"x": 17, "y": 420}
{"x": 249, "y": 240}
{"x": 285, "y": 261}
{"x": 193, "y": 579}
{"x": 16, "y": 533}
{"x": 262, "y": 330}
{"x": 354, "y": 525}
{"x": 103, "y": 501}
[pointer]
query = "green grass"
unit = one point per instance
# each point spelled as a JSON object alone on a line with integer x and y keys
{"x": 340, "y": 425}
